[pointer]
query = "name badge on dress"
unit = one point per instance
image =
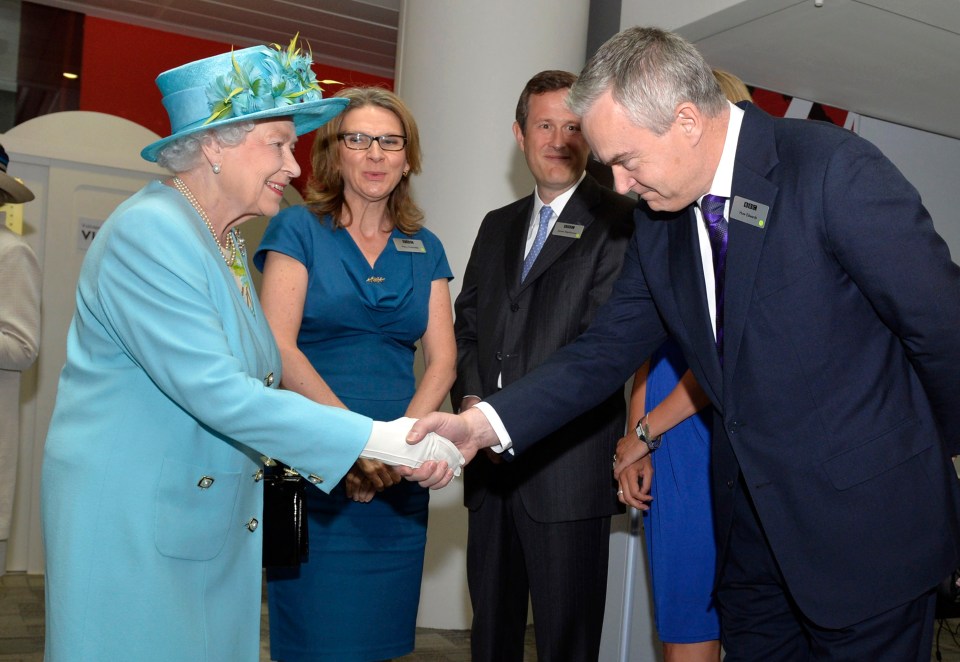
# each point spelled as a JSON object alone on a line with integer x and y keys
{"x": 571, "y": 230}
{"x": 749, "y": 212}
{"x": 409, "y": 245}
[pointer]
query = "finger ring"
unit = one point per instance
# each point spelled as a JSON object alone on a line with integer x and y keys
{"x": 619, "y": 492}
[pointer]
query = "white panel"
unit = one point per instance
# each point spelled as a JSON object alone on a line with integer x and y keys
{"x": 53, "y": 155}
{"x": 668, "y": 14}
{"x": 938, "y": 14}
{"x": 891, "y": 59}
{"x": 849, "y": 55}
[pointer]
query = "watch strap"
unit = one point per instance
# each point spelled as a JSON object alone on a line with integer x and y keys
{"x": 643, "y": 433}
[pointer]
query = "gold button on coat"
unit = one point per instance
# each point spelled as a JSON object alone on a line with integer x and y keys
{"x": 268, "y": 380}
{"x": 205, "y": 482}
{"x": 253, "y": 524}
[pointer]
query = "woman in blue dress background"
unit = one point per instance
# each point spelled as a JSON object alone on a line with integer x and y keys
{"x": 350, "y": 282}
{"x": 672, "y": 487}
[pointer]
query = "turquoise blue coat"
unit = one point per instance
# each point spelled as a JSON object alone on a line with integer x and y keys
{"x": 151, "y": 494}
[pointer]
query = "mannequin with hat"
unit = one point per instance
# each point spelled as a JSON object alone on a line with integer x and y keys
{"x": 19, "y": 333}
{"x": 169, "y": 404}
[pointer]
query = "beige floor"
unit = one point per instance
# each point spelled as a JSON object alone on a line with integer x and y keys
{"x": 21, "y": 630}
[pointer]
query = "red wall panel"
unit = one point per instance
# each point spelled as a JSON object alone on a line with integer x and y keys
{"x": 122, "y": 61}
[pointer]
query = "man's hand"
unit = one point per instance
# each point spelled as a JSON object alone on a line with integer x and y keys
{"x": 469, "y": 431}
{"x": 465, "y": 404}
{"x": 468, "y": 402}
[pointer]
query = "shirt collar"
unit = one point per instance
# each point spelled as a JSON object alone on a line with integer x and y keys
{"x": 559, "y": 202}
{"x": 723, "y": 178}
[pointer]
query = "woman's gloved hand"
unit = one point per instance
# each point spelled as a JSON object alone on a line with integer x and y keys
{"x": 388, "y": 443}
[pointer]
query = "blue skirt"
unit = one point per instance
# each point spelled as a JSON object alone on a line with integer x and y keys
{"x": 356, "y": 598}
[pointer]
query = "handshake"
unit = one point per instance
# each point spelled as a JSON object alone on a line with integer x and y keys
{"x": 388, "y": 444}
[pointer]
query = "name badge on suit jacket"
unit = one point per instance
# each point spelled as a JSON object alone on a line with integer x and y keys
{"x": 409, "y": 245}
{"x": 571, "y": 230}
{"x": 749, "y": 212}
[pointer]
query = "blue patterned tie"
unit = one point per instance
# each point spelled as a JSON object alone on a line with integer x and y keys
{"x": 545, "y": 214}
{"x": 712, "y": 209}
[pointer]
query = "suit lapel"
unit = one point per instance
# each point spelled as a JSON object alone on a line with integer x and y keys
{"x": 755, "y": 158}
{"x": 576, "y": 212}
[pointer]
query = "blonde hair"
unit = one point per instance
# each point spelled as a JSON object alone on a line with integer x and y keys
{"x": 325, "y": 185}
{"x": 733, "y": 88}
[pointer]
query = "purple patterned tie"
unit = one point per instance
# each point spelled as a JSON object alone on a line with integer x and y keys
{"x": 712, "y": 209}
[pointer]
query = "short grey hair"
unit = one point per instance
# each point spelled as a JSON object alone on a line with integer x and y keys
{"x": 649, "y": 72}
{"x": 184, "y": 153}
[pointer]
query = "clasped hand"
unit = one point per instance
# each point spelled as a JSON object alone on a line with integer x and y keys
{"x": 433, "y": 462}
{"x": 367, "y": 477}
{"x": 469, "y": 432}
{"x": 633, "y": 470}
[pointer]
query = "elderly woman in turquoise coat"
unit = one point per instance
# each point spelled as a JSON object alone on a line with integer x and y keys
{"x": 168, "y": 403}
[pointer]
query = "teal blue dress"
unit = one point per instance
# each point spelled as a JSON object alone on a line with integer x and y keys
{"x": 356, "y": 597}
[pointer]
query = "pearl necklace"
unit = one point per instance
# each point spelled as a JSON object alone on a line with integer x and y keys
{"x": 231, "y": 239}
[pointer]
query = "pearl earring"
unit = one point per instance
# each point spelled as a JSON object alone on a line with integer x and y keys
{"x": 216, "y": 168}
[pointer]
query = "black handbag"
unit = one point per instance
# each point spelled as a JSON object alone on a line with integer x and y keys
{"x": 285, "y": 543}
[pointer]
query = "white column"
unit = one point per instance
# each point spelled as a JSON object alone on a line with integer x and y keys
{"x": 461, "y": 67}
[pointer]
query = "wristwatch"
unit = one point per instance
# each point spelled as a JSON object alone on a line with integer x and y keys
{"x": 643, "y": 433}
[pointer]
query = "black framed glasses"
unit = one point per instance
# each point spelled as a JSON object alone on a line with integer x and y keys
{"x": 389, "y": 143}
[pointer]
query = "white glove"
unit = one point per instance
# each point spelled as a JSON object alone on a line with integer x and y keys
{"x": 388, "y": 443}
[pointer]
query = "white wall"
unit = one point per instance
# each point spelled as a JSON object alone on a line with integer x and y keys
{"x": 669, "y": 14}
{"x": 461, "y": 67}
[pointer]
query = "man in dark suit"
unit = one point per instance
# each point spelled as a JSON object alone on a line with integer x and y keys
{"x": 541, "y": 524}
{"x": 830, "y": 350}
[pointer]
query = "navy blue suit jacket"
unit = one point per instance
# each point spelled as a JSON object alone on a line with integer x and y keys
{"x": 838, "y": 396}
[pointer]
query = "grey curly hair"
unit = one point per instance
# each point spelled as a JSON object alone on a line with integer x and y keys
{"x": 184, "y": 153}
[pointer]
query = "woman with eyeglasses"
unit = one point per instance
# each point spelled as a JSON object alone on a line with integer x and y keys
{"x": 351, "y": 281}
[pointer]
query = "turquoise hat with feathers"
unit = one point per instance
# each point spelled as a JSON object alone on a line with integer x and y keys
{"x": 250, "y": 84}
